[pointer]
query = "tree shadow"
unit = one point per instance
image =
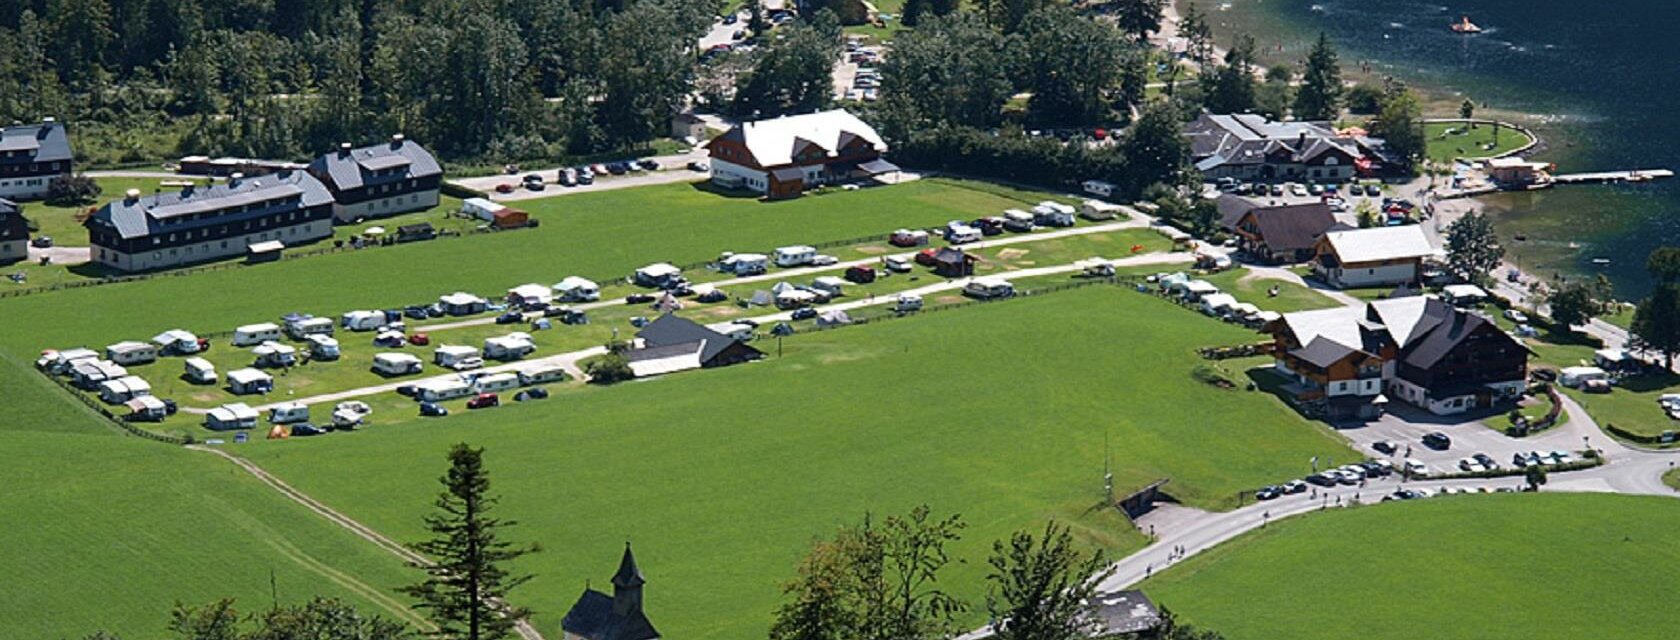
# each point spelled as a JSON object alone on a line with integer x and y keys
{"x": 713, "y": 188}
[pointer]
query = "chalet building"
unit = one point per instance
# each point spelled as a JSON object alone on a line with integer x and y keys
{"x": 1349, "y": 362}
{"x": 196, "y": 224}
{"x": 1377, "y": 257}
{"x": 30, "y": 157}
{"x": 381, "y": 180}
{"x": 671, "y": 344}
{"x": 781, "y": 157}
{"x": 14, "y": 233}
{"x": 598, "y": 616}
{"x": 1254, "y": 147}
{"x": 1284, "y": 234}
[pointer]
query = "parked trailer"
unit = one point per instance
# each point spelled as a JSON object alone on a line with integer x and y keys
{"x": 254, "y": 334}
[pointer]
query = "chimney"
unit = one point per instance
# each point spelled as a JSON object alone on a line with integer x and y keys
{"x": 233, "y": 180}
{"x": 343, "y": 149}
{"x": 48, "y": 120}
{"x": 132, "y": 196}
{"x": 396, "y": 141}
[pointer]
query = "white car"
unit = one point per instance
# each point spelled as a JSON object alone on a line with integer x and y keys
{"x": 1416, "y": 468}
{"x": 354, "y": 406}
{"x": 824, "y": 261}
{"x": 1297, "y": 190}
{"x": 1516, "y": 316}
{"x": 1471, "y": 465}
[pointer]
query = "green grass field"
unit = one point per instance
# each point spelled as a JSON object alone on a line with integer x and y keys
{"x": 1513, "y": 566}
{"x": 107, "y": 531}
{"x": 1291, "y": 297}
{"x": 1451, "y": 140}
{"x": 732, "y": 472}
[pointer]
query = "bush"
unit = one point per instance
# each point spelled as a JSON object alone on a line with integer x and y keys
{"x": 1365, "y": 99}
{"x": 609, "y": 369}
{"x": 72, "y": 191}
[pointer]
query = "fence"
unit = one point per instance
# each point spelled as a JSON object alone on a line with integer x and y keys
{"x": 115, "y": 419}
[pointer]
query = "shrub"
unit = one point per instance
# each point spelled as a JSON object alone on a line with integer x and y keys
{"x": 72, "y": 191}
{"x": 609, "y": 369}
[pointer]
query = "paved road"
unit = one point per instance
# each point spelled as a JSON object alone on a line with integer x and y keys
{"x": 138, "y": 173}
{"x": 62, "y": 255}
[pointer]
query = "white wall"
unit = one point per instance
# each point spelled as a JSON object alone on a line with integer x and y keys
{"x": 210, "y": 250}
{"x": 730, "y": 174}
{"x": 388, "y": 206}
{"x": 1356, "y": 276}
{"x": 27, "y": 188}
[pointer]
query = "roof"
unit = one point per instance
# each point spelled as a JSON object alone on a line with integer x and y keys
{"x": 1122, "y": 612}
{"x": 593, "y": 618}
{"x": 266, "y": 195}
{"x": 246, "y": 376}
{"x": 395, "y": 357}
{"x": 773, "y": 142}
{"x": 269, "y": 246}
{"x": 1453, "y": 330}
{"x": 1340, "y": 324}
{"x": 1282, "y": 228}
{"x": 43, "y": 142}
{"x": 672, "y": 330}
{"x": 1464, "y": 291}
{"x": 258, "y": 328}
{"x": 1217, "y": 300}
{"x": 877, "y": 166}
{"x": 1323, "y": 352}
{"x": 574, "y": 282}
{"x": 1380, "y": 243}
{"x": 659, "y": 270}
{"x": 1243, "y": 139}
{"x": 670, "y": 358}
{"x": 355, "y": 168}
{"x": 628, "y": 575}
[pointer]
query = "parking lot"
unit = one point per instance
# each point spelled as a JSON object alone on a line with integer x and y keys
{"x": 1405, "y": 427}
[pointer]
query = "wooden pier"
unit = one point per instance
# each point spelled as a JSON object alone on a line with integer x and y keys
{"x": 1638, "y": 175}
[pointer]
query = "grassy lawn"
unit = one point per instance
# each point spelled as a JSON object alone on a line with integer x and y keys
{"x": 1291, "y": 297}
{"x": 109, "y": 530}
{"x": 1631, "y": 405}
{"x": 979, "y": 411}
{"x": 1451, "y": 140}
{"x": 61, "y": 223}
{"x": 1389, "y": 572}
{"x": 893, "y": 8}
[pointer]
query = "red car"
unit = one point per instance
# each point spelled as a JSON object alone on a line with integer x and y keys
{"x": 505, "y": 187}
{"x": 925, "y": 257}
{"x": 484, "y": 400}
{"x": 420, "y": 339}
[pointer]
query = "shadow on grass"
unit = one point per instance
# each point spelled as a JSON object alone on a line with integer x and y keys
{"x": 713, "y": 188}
{"x": 1649, "y": 382}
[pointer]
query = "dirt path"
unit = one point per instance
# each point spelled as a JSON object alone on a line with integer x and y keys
{"x": 526, "y": 631}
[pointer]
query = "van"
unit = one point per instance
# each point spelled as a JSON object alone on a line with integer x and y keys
{"x": 568, "y": 177}
{"x": 958, "y": 233}
{"x": 254, "y": 334}
{"x": 896, "y": 264}
{"x": 288, "y": 413}
{"x": 795, "y": 256}
{"x": 907, "y": 302}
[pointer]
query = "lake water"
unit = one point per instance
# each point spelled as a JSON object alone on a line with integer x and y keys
{"x": 1598, "y": 80}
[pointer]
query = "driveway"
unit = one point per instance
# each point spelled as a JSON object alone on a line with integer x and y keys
{"x": 672, "y": 169}
{"x": 62, "y": 255}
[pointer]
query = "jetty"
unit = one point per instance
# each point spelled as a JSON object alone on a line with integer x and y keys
{"x": 1637, "y": 175}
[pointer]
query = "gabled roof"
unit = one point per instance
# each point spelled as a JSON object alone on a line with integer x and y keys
{"x": 593, "y": 618}
{"x": 773, "y": 142}
{"x": 1408, "y": 317}
{"x": 1220, "y": 139}
{"x": 1323, "y": 352}
{"x": 1283, "y": 228}
{"x": 13, "y": 226}
{"x": 1340, "y": 325}
{"x": 144, "y": 216}
{"x": 43, "y": 142}
{"x": 670, "y": 330}
{"x": 1380, "y": 243}
{"x": 354, "y": 168}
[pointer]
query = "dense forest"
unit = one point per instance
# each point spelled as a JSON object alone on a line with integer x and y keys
{"x": 496, "y": 79}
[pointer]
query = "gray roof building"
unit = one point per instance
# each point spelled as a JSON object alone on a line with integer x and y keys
{"x": 1250, "y": 139}
{"x": 45, "y": 142}
{"x": 598, "y": 616}
{"x": 681, "y": 334}
{"x": 387, "y": 163}
{"x": 192, "y": 208}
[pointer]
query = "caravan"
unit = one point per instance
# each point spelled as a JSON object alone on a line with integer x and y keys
{"x": 1099, "y": 188}
{"x": 795, "y": 256}
{"x": 443, "y": 389}
{"x": 302, "y": 328}
{"x": 273, "y": 355}
{"x": 989, "y": 288}
{"x": 124, "y": 389}
{"x": 322, "y": 347}
{"x": 512, "y": 346}
{"x": 254, "y": 334}
{"x": 288, "y": 413}
{"x": 744, "y": 264}
{"x": 199, "y": 371}
{"x": 575, "y": 289}
{"x": 231, "y": 416}
{"x": 496, "y": 382}
{"x": 1018, "y": 220}
{"x": 457, "y": 357}
{"x": 176, "y": 341}
{"x": 542, "y": 373}
{"x": 362, "y": 320}
{"x": 396, "y": 364}
{"x": 530, "y": 296}
{"x": 249, "y": 381}
{"x": 131, "y": 353}
{"x": 1099, "y": 210}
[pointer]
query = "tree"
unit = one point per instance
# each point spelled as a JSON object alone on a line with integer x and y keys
{"x": 1535, "y": 476}
{"x": 1467, "y": 109}
{"x": 793, "y": 73}
{"x": 1072, "y": 61}
{"x": 1572, "y": 304}
{"x": 72, "y": 190}
{"x": 1007, "y": 15}
{"x": 1656, "y": 323}
{"x": 1273, "y": 97}
{"x": 874, "y": 582}
{"x": 1320, "y": 95}
{"x": 1154, "y": 146}
{"x": 1233, "y": 85}
{"x": 757, "y": 22}
{"x": 1138, "y": 18}
{"x": 1172, "y": 629}
{"x": 951, "y": 70}
{"x": 1198, "y": 37}
{"x": 914, "y": 11}
{"x": 1043, "y": 589}
{"x": 1364, "y": 99}
{"x": 1366, "y": 214}
{"x": 1664, "y": 264}
{"x": 318, "y": 619}
{"x": 1472, "y": 248}
{"x": 465, "y": 591}
{"x": 1400, "y": 124}
{"x": 608, "y": 369}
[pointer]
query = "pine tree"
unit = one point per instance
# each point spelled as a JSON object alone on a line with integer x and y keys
{"x": 1198, "y": 37}
{"x": 465, "y": 591}
{"x": 1320, "y": 95}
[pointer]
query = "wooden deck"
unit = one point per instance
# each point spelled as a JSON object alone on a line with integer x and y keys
{"x": 1637, "y": 175}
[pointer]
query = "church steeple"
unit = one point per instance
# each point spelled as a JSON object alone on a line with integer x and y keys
{"x": 627, "y": 585}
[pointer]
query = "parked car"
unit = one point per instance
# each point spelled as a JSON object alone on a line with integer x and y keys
{"x": 617, "y": 169}
{"x": 419, "y": 339}
{"x": 484, "y": 401}
{"x": 433, "y": 410}
{"x": 649, "y": 163}
{"x": 533, "y": 393}
{"x": 42, "y": 242}
{"x": 511, "y": 317}
{"x": 1437, "y": 441}
{"x": 1384, "y": 447}
{"x": 598, "y": 168}
{"x": 1516, "y": 316}
{"x": 408, "y": 391}
{"x": 860, "y": 274}
{"x": 824, "y": 261}
{"x": 1276, "y": 189}
{"x": 1322, "y": 479}
{"x": 534, "y": 182}
{"x": 698, "y": 166}
{"x": 805, "y": 313}
{"x": 585, "y": 175}
{"x": 306, "y": 429}
{"x": 1268, "y": 493}
{"x": 415, "y": 312}
{"x": 638, "y": 298}
{"x": 1294, "y": 486}
{"x": 1486, "y": 460}
{"x": 714, "y": 295}
{"x": 505, "y": 187}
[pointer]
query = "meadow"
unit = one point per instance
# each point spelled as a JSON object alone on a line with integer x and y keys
{"x": 723, "y": 477}
{"x": 1515, "y": 566}
{"x": 1451, "y": 140}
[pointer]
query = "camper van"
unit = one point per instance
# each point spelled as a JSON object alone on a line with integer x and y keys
{"x": 959, "y": 232}
{"x": 540, "y": 374}
{"x": 396, "y": 364}
{"x": 302, "y": 328}
{"x": 497, "y": 382}
{"x": 907, "y": 302}
{"x": 131, "y": 353}
{"x": 254, "y": 334}
{"x": 989, "y": 288}
{"x": 176, "y": 341}
{"x": 441, "y": 390}
{"x": 323, "y": 347}
{"x": 1018, "y": 220}
{"x": 795, "y": 256}
{"x": 199, "y": 371}
{"x": 897, "y": 264}
{"x": 288, "y": 413}
{"x": 744, "y": 264}
{"x": 509, "y": 347}
{"x": 362, "y": 320}
{"x": 457, "y": 357}
{"x": 575, "y": 289}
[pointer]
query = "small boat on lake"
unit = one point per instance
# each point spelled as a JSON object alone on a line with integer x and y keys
{"x": 1465, "y": 26}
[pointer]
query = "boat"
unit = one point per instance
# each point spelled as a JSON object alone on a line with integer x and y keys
{"x": 1465, "y": 26}
{"x": 1601, "y": 262}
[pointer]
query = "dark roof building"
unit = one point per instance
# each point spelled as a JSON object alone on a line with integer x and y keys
{"x": 953, "y": 263}
{"x": 1276, "y": 233}
{"x": 1249, "y": 146}
{"x": 195, "y": 224}
{"x": 31, "y": 156}
{"x": 714, "y": 349}
{"x": 379, "y": 180}
{"x": 598, "y": 616}
{"x": 14, "y": 232}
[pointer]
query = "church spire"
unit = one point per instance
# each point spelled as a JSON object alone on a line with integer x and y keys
{"x": 627, "y": 585}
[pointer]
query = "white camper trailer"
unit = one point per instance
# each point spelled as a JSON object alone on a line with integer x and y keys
{"x": 443, "y": 389}
{"x": 1575, "y": 377}
{"x": 831, "y": 285}
{"x": 249, "y": 381}
{"x": 457, "y": 357}
{"x": 989, "y": 288}
{"x": 322, "y": 347}
{"x": 176, "y": 341}
{"x": 131, "y": 353}
{"x": 124, "y": 389}
{"x": 273, "y": 355}
{"x": 1018, "y": 220}
{"x": 1099, "y": 210}
{"x": 575, "y": 289}
{"x": 541, "y": 374}
{"x": 254, "y": 334}
{"x": 509, "y": 347}
{"x": 302, "y": 328}
{"x": 795, "y": 256}
{"x": 744, "y": 264}
{"x": 396, "y": 364}
{"x": 228, "y": 417}
{"x": 289, "y": 413}
{"x": 530, "y": 295}
{"x": 199, "y": 371}
{"x": 657, "y": 275}
{"x": 907, "y": 302}
{"x": 362, "y": 320}
{"x": 496, "y": 382}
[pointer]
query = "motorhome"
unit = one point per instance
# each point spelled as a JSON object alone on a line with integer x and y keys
{"x": 199, "y": 371}
{"x": 989, "y": 288}
{"x": 457, "y": 357}
{"x": 254, "y": 334}
{"x": 288, "y": 413}
{"x": 362, "y": 320}
{"x": 322, "y": 347}
{"x": 302, "y": 328}
{"x": 131, "y": 353}
{"x": 959, "y": 232}
{"x": 396, "y": 364}
{"x": 575, "y": 289}
{"x": 744, "y": 264}
{"x": 795, "y": 256}
{"x": 1018, "y": 220}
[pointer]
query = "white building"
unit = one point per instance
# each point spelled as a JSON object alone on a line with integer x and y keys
{"x": 781, "y": 157}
